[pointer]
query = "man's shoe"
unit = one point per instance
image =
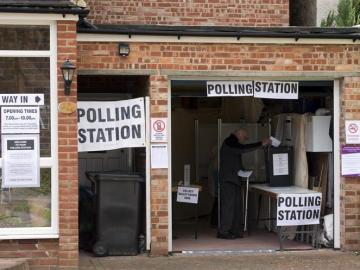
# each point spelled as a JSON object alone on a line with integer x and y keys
{"x": 226, "y": 235}
{"x": 237, "y": 234}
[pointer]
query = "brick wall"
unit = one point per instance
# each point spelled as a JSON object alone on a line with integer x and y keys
{"x": 246, "y": 57}
{"x": 232, "y": 57}
{"x": 159, "y": 177}
{"x": 41, "y": 254}
{"x": 350, "y": 187}
{"x": 68, "y": 159}
{"x": 191, "y": 12}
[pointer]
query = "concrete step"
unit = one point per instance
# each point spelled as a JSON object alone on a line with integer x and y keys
{"x": 14, "y": 264}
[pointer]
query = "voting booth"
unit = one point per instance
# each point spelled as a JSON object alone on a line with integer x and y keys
{"x": 279, "y": 166}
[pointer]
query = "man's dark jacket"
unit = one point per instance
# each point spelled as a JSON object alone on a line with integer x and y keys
{"x": 230, "y": 158}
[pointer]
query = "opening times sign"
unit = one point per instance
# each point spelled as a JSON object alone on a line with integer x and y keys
{"x": 23, "y": 120}
{"x": 257, "y": 89}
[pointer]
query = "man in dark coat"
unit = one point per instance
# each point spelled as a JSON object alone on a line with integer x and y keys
{"x": 230, "y": 192}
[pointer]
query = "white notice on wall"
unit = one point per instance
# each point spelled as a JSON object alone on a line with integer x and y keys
{"x": 21, "y": 161}
{"x": 20, "y": 120}
{"x": 159, "y": 156}
{"x": 352, "y": 131}
{"x": 281, "y": 164}
{"x": 158, "y": 129}
{"x": 187, "y": 195}
{"x": 350, "y": 164}
{"x": 298, "y": 209}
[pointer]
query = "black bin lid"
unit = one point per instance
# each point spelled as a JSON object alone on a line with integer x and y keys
{"x": 115, "y": 176}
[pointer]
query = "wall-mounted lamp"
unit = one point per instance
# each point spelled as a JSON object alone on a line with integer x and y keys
{"x": 124, "y": 49}
{"x": 67, "y": 70}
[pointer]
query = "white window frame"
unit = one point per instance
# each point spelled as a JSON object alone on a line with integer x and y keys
{"x": 45, "y": 162}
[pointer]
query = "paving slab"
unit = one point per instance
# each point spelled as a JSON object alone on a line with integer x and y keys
{"x": 294, "y": 260}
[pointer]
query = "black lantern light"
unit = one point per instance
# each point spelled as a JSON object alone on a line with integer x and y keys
{"x": 68, "y": 70}
{"x": 124, "y": 49}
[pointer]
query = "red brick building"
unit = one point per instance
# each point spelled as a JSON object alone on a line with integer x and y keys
{"x": 175, "y": 47}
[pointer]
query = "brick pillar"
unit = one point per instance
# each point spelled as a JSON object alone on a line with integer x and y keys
{"x": 68, "y": 159}
{"x": 159, "y": 177}
{"x": 350, "y": 186}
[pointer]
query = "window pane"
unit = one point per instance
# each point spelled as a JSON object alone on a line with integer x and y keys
{"x": 26, "y": 75}
{"x": 15, "y": 37}
{"x": 27, "y": 207}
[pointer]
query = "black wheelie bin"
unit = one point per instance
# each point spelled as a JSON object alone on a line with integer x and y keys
{"x": 119, "y": 212}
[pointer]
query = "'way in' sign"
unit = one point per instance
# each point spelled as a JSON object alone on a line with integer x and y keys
{"x": 21, "y": 99}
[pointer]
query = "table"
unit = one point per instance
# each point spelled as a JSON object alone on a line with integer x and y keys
{"x": 174, "y": 189}
{"x": 273, "y": 193}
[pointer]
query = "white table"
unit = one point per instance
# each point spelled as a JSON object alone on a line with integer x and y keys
{"x": 273, "y": 193}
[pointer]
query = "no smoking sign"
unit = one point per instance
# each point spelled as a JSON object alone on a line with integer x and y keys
{"x": 352, "y": 131}
{"x": 353, "y": 128}
{"x": 158, "y": 129}
{"x": 159, "y": 125}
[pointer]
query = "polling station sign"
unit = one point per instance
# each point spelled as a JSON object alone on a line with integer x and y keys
{"x": 257, "y": 89}
{"x": 111, "y": 125}
{"x": 230, "y": 88}
{"x": 298, "y": 209}
{"x": 276, "y": 90}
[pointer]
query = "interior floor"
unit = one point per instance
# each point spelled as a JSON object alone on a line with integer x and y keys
{"x": 254, "y": 241}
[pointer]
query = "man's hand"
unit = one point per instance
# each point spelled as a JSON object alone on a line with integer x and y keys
{"x": 266, "y": 142}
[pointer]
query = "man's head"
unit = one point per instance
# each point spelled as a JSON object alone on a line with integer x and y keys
{"x": 241, "y": 135}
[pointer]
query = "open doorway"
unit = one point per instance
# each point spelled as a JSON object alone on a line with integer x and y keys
{"x": 199, "y": 126}
{"x": 126, "y": 161}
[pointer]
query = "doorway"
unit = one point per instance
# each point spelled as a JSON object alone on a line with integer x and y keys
{"x": 128, "y": 161}
{"x": 195, "y": 134}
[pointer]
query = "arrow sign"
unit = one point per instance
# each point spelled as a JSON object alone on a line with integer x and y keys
{"x": 38, "y": 99}
{"x": 21, "y": 99}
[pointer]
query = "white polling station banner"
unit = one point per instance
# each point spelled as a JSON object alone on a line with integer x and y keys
{"x": 109, "y": 125}
{"x": 229, "y": 88}
{"x": 257, "y": 89}
{"x": 276, "y": 90}
{"x": 298, "y": 209}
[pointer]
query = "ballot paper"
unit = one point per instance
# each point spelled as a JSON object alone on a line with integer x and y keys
{"x": 245, "y": 174}
{"x": 275, "y": 142}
